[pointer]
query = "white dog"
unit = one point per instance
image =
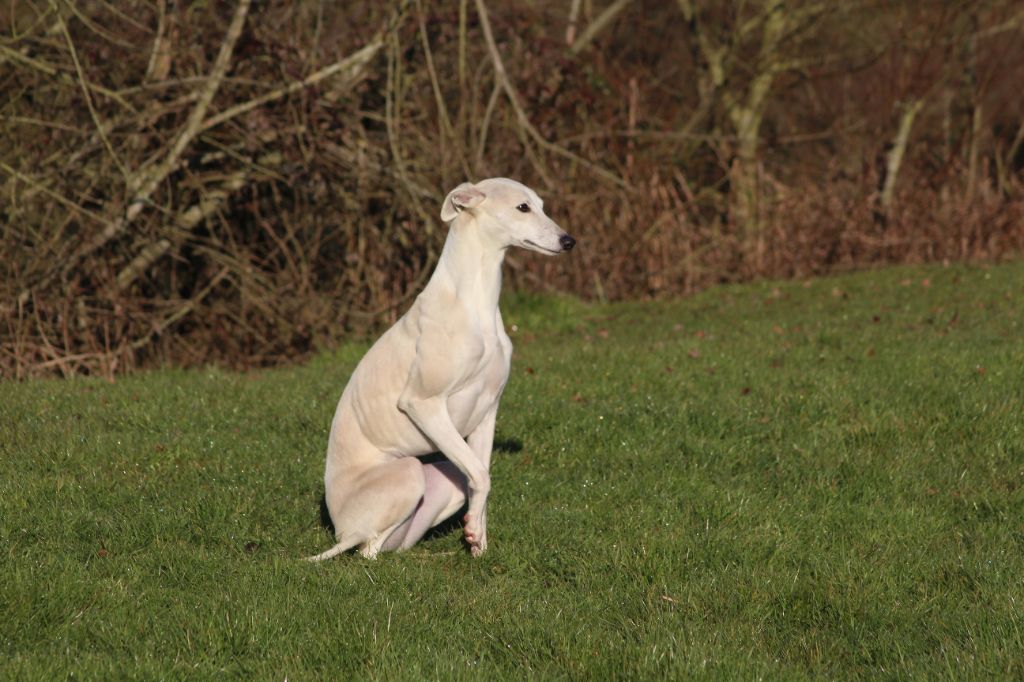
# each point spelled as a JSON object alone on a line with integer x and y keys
{"x": 432, "y": 383}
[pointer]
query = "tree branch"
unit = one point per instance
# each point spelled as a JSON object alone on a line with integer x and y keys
{"x": 597, "y": 25}
{"x": 143, "y": 183}
{"x": 522, "y": 118}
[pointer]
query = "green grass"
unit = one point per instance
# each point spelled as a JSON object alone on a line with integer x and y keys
{"x": 809, "y": 479}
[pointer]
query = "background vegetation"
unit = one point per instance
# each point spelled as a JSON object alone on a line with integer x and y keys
{"x": 757, "y": 481}
{"x": 246, "y": 182}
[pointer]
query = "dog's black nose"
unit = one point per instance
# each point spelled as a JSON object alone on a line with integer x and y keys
{"x": 567, "y": 242}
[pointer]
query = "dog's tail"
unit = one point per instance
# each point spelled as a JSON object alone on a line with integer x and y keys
{"x": 343, "y": 545}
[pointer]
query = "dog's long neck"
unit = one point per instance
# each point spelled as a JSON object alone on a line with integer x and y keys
{"x": 470, "y": 266}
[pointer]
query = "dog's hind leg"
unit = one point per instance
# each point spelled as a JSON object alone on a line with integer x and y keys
{"x": 444, "y": 493}
{"x": 368, "y": 506}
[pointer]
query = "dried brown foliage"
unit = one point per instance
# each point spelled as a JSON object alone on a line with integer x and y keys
{"x": 236, "y": 183}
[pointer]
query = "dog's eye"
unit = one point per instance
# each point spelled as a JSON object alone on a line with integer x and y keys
{"x": 523, "y": 208}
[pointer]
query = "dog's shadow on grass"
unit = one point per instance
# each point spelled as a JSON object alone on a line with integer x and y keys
{"x": 508, "y": 446}
{"x": 505, "y": 446}
{"x": 325, "y": 516}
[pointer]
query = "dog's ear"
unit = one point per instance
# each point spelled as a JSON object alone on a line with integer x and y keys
{"x": 465, "y": 195}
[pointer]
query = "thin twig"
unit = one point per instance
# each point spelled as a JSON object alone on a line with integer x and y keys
{"x": 126, "y": 17}
{"x": 16, "y": 56}
{"x": 159, "y": 56}
{"x": 28, "y": 120}
{"x": 181, "y": 312}
{"x": 82, "y": 80}
{"x": 574, "y": 16}
{"x": 56, "y": 72}
{"x": 462, "y": 45}
{"x": 91, "y": 25}
{"x": 521, "y": 117}
{"x": 485, "y": 124}
{"x": 442, "y": 109}
{"x": 392, "y": 117}
{"x": 59, "y": 198}
{"x": 596, "y": 26}
{"x": 354, "y": 63}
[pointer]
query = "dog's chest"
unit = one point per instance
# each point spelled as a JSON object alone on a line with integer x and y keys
{"x": 480, "y": 388}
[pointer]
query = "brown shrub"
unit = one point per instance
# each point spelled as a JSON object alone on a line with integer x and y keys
{"x": 143, "y": 225}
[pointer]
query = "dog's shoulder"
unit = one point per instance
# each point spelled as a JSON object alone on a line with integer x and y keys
{"x": 441, "y": 314}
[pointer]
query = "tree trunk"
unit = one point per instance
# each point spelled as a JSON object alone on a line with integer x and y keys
{"x": 894, "y": 159}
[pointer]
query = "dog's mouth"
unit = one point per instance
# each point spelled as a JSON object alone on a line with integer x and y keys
{"x": 538, "y": 247}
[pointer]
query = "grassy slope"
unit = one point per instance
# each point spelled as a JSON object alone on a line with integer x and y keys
{"x": 808, "y": 479}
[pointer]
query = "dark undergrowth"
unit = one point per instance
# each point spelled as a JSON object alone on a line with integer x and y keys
{"x": 248, "y": 184}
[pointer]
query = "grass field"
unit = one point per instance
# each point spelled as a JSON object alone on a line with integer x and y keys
{"x": 808, "y": 479}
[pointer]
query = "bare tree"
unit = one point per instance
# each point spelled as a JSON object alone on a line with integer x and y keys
{"x": 740, "y": 50}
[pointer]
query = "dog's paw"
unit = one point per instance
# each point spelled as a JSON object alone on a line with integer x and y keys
{"x": 475, "y": 536}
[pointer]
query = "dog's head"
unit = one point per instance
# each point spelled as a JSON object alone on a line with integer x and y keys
{"x": 509, "y": 213}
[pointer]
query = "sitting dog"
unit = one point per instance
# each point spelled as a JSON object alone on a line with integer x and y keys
{"x": 432, "y": 383}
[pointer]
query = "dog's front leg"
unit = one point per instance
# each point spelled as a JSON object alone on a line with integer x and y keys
{"x": 432, "y": 418}
{"x": 481, "y": 441}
